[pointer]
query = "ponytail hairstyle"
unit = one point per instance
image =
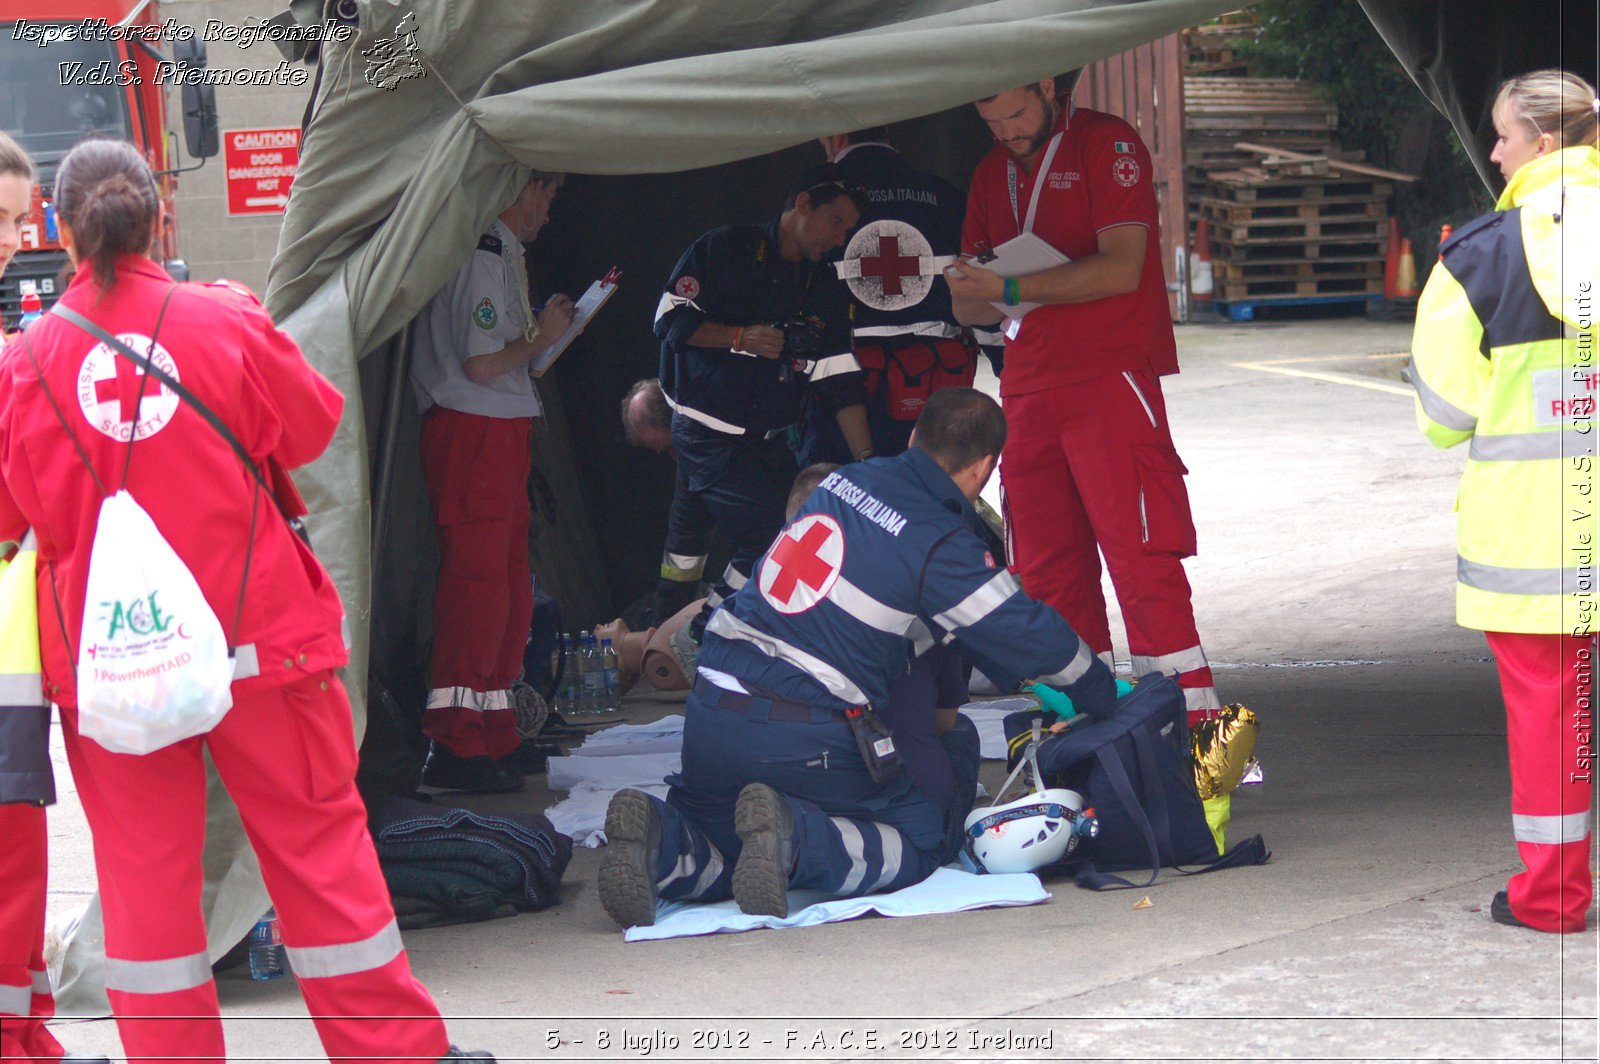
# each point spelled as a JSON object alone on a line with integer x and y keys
{"x": 107, "y": 195}
{"x": 13, "y": 160}
{"x": 1551, "y": 101}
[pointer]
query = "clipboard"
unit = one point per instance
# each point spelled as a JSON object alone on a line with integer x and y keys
{"x": 584, "y": 310}
{"x": 1018, "y": 257}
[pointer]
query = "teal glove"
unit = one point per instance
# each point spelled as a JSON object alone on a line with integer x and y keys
{"x": 1053, "y": 700}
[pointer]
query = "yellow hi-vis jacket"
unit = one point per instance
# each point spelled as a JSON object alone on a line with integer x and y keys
{"x": 1504, "y": 356}
{"x": 25, "y": 774}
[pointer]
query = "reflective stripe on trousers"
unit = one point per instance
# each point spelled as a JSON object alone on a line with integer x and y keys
{"x": 165, "y": 976}
{"x": 347, "y": 958}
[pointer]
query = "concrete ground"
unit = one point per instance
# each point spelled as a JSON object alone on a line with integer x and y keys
{"x": 1324, "y": 595}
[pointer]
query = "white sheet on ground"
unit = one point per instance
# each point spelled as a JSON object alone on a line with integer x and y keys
{"x": 948, "y": 890}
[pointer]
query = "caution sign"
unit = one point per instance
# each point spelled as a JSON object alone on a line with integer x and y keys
{"x": 261, "y": 165}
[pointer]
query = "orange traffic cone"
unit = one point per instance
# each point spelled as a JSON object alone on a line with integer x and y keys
{"x": 1391, "y": 260}
{"x": 1444, "y": 234}
{"x": 1405, "y": 281}
{"x": 1201, "y": 279}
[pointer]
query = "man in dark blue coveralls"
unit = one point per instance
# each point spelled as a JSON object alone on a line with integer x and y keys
{"x": 907, "y": 339}
{"x": 776, "y": 791}
{"x": 753, "y": 324}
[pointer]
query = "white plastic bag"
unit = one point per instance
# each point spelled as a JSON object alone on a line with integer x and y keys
{"x": 153, "y": 665}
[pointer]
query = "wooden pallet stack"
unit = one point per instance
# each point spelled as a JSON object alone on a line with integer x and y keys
{"x": 1276, "y": 112}
{"x": 1215, "y": 48}
{"x": 1297, "y": 228}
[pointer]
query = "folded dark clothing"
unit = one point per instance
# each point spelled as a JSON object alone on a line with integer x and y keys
{"x": 455, "y": 865}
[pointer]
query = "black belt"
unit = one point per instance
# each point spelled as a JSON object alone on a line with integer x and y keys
{"x": 762, "y": 705}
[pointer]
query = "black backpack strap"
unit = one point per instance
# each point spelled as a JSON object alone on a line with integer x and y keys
{"x": 1088, "y": 877}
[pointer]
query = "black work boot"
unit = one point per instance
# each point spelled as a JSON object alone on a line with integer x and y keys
{"x": 1500, "y": 910}
{"x": 471, "y": 775}
{"x": 464, "y": 1054}
{"x": 627, "y": 879}
{"x": 766, "y": 833}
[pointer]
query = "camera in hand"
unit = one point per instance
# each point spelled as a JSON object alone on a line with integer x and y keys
{"x": 802, "y": 336}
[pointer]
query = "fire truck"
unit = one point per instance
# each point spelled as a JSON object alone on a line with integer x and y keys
{"x": 94, "y": 68}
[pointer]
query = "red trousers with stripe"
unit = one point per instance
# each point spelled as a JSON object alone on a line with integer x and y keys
{"x": 477, "y": 470}
{"x": 1548, "y": 685}
{"x": 1090, "y": 469}
{"x": 287, "y": 757}
{"x": 25, "y": 1001}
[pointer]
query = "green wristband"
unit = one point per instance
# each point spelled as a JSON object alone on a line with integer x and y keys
{"x": 1012, "y": 291}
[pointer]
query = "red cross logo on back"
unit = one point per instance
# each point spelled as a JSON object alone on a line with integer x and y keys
{"x": 804, "y": 564}
{"x": 117, "y": 399}
{"x": 889, "y": 266}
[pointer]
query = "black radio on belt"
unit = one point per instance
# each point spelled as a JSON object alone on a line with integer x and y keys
{"x": 876, "y": 743}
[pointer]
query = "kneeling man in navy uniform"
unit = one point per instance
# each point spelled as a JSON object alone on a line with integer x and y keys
{"x": 790, "y": 779}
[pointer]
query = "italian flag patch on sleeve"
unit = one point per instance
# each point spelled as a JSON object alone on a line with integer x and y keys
{"x": 1123, "y": 146}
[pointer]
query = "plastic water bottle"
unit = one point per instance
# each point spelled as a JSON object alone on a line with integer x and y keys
{"x": 613, "y": 673}
{"x": 32, "y": 306}
{"x": 266, "y": 948}
{"x": 570, "y": 698}
{"x": 594, "y": 676}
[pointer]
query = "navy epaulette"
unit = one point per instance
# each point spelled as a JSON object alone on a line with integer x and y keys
{"x": 1477, "y": 225}
{"x": 490, "y": 243}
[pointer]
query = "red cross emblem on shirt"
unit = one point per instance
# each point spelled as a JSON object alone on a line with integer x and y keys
{"x": 125, "y": 388}
{"x": 889, "y": 266}
{"x": 803, "y": 564}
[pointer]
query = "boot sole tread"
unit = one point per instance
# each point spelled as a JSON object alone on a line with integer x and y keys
{"x": 626, "y": 891}
{"x": 760, "y": 886}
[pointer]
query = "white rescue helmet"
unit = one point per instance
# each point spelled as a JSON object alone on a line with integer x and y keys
{"x": 1028, "y": 833}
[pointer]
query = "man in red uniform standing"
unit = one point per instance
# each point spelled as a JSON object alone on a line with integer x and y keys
{"x": 474, "y": 341}
{"x": 1089, "y": 467}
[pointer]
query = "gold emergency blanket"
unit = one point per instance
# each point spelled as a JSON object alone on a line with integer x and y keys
{"x": 1222, "y": 748}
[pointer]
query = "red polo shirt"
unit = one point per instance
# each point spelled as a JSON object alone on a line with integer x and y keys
{"x": 1100, "y": 177}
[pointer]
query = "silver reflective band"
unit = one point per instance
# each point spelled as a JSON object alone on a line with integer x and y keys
{"x": 467, "y": 698}
{"x": 704, "y": 419}
{"x": 893, "y": 852}
{"x": 685, "y": 562}
{"x": 1197, "y": 699}
{"x": 855, "y": 848}
{"x": 41, "y": 982}
{"x": 1530, "y": 446}
{"x": 246, "y": 663}
{"x": 838, "y": 684}
{"x": 1550, "y": 830}
{"x": 1437, "y": 407}
{"x": 938, "y": 330}
{"x": 21, "y": 689}
{"x": 921, "y": 639}
{"x": 833, "y": 365}
{"x": 1187, "y": 660}
{"x": 1504, "y": 580}
{"x": 734, "y": 578}
{"x": 158, "y": 977}
{"x": 670, "y": 302}
{"x": 1075, "y": 668}
{"x": 328, "y": 962}
{"x": 868, "y": 610}
{"x": 982, "y": 602}
{"x": 1109, "y": 659}
{"x": 16, "y": 1000}
{"x": 709, "y": 874}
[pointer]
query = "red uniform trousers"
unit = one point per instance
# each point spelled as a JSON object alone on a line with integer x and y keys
{"x": 1090, "y": 469}
{"x": 25, "y": 1001}
{"x": 287, "y": 756}
{"x": 1548, "y": 685}
{"x": 477, "y": 474}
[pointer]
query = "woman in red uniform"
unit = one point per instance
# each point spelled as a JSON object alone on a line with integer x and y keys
{"x": 26, "y": 786}
{"x": 286, "y": 749}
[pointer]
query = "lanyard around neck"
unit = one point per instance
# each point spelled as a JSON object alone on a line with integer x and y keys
{"x": 1014, "y": 177}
